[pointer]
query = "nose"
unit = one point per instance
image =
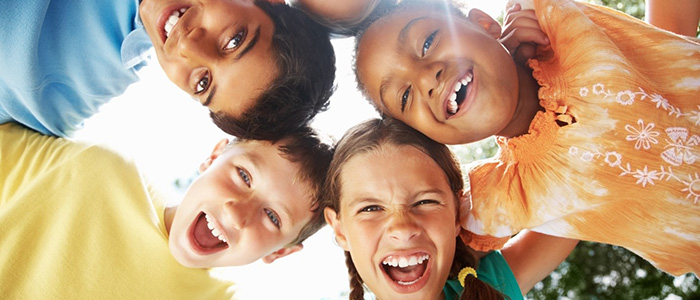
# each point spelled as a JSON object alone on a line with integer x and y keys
{"x": 240, "y": 212}
{"x": 429, "y": 79}
{"x": 192, "y": 44}
{"x": 402, "y": 227}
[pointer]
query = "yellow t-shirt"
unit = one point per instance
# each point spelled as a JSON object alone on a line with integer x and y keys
{"x": 626, "y": 169}
{"x": 78, "y": 222}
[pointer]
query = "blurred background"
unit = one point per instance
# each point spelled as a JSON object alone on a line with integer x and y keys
{"x": 169, "y": 135}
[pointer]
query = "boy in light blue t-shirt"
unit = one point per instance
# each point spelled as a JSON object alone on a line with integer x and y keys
{"x": 263, "y": 69}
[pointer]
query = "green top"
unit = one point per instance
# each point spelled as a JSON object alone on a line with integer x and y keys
{"x": 494, "y": 270}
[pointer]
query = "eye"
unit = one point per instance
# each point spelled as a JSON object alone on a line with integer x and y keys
{"x": 424, "y": 202}
{"x": 273, "y": 217}
{"x": 370, "y": 208}
{"x": 428, "y": 42}
{"x": 244, "y": 175}
{"x": 404, "y": 98}
{"x": 235, "y": 41}
{"x": 202, "y": 84}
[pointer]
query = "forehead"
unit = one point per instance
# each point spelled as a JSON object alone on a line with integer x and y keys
{"x": 388, "y": 167}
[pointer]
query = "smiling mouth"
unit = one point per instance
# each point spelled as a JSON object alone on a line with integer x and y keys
{"x": 460, "y": 93}
{"x": 206, "y": 236}
{"x": 172, "y": 20}
{"x": 406, "y": 270}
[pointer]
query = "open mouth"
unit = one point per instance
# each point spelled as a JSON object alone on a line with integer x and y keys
{"x": 172, "y": 19}
{"x": 406, "y": 270}
{"x": 461, "y": 88}
{"x": 206, "y": 235}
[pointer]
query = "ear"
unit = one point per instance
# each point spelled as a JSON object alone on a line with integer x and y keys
{"x": 218, "y": 149}
{"x": 332, "y": 219}
{"x": 485, "y": 21}
{"x": 282, "y": 253}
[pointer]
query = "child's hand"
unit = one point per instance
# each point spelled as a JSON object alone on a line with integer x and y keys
{"x": 522, "y": 33}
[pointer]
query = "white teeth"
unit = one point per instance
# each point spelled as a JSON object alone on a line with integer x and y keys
{"x": 214, "y": 231}
{"x": 458, "y": 86}
{"x": 452, "y": 104}
{"x": 172, "y": 20}
{"x": 408, "y": 283}
{"x": 467, "y": 79}
{"x": 403, "y": 262}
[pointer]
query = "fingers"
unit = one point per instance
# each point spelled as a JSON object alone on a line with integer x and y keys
{"x": 522, "y": 33}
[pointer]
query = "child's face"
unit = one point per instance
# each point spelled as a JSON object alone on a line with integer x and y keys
{"x": 444, "y": 75}
{"x": 247, "y": 204}
{"x": 218, "y": 51}
{"x": 395, "y": 207}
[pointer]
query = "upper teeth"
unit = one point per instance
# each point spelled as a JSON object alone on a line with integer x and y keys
{"x": 172, "y": 20}
{"x": 214, "y": 231}
{"x": 452, "y": 105}
{"x": 403, "y": 261}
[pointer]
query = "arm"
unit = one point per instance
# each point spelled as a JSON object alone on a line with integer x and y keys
{"x": 533, "y": 255}
{"x": 679, "y": 16}
{"x": 337, "y": 13}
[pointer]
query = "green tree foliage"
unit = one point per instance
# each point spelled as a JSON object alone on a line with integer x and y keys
{"x": 593, "y": 270}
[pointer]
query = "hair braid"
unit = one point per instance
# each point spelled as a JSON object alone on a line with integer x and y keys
{"x": 474, "y": 288}
{"x": 357, "y": 290}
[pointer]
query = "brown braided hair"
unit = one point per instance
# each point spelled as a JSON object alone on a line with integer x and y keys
{"x": 372, "y": 134}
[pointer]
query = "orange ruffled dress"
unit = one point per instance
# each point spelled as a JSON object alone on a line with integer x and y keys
{"x": 626, "y": 169}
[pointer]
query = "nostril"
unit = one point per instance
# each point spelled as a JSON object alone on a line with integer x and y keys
{"x": 438, "y": 74}
{"x": 430, "y": 93}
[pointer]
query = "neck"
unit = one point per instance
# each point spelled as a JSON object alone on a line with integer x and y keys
{"x": 527, "y": 107}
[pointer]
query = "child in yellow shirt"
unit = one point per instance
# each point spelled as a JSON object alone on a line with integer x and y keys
{"x": 80, "y": 222}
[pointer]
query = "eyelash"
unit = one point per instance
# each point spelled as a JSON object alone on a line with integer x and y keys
{"x": 370, "y": 208}
{"x": 273, "y": 217}
{"x": 238, "y": 38}
{"x": 404, "y": 98}
{"x": 423, "y": 202}
{"x": 202, "y": 84}
{"x": 428, "y": 42}
{"x": 244, "y": 176}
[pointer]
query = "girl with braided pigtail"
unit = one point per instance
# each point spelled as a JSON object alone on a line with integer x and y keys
{"x": 391, "y": 199}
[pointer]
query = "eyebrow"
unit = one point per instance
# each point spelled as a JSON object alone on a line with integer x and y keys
{"x": 246, "y": 49}
{"x": 401, "y": 40}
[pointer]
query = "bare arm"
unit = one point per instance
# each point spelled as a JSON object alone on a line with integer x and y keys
{"x": 533, "y": 255}
{"x": 679, "y": 16}
{"x": 337, "y": 13}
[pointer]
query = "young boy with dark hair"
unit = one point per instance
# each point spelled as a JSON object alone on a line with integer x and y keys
{"x": 79, "y": 221}
{"x": 64, "y": 60}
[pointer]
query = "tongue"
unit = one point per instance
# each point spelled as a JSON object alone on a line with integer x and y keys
{"x": 407, "y": 274}
{"x": 203, "y": 236}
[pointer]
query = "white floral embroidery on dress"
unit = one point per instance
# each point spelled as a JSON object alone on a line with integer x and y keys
{"x": 692, "y": 188}
{"x": 695, "y": 116}
{"x": 680, "y": 148}
{"x": 645, "y": 135}
{"x": 627, "y": 97}
{"x": 645, "y": 176}
{"x": 583, "y": 92}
